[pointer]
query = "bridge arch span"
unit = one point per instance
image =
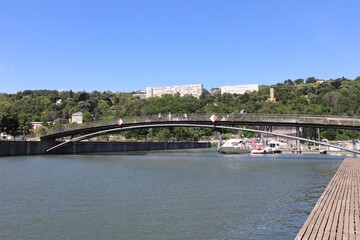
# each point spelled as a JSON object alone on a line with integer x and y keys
{"x": 214, "y": 126}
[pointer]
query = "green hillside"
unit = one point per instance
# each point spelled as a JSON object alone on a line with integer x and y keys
{"x": 301, "y": 96}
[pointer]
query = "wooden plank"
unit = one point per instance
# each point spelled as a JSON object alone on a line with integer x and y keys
{"x": 357, "y": 207}
{"x": 309, "y": 225}
{"x": 335, "y": 207}
{"x": 328, "y": 215}
{"x": 352, "y": 205}
{"x": 342, "y": 228}
{"x": 336, "y": 226}
{"x": 329, "y": 192}
{"x": 336, "y": 215}
{"x": 341, "y": 225}
{"x": 333, "y": 212}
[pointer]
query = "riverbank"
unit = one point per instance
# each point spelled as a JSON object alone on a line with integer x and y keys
{"x": 14, "y": 148}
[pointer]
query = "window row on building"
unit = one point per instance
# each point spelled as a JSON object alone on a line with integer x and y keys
{"x": 196, "y": 90}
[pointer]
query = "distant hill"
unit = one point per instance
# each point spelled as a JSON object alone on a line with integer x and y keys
{"x": 301, "y": 96}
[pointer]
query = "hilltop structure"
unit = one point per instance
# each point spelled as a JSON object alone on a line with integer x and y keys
{"x": 239, "y": 89}
{"x": 197, "y": 89}
{"x": 194, "y": 90}
{"x": 272, "y": 96}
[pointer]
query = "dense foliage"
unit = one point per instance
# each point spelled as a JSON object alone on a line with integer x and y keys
{"x": 331, "y": 97}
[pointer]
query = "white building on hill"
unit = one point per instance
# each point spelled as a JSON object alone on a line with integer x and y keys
{"x": 239, "y": 89}
{"x": 194, "y": 90}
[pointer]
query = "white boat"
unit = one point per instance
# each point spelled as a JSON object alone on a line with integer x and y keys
{"x": 322, "y": 151}
{"x": 262, "y": 150}
{"x": 259, "y": 151}
{"x": 235, "y": 146}
{"x": 274, "y": 146}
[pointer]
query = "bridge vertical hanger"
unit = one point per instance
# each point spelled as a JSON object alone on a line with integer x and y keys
{"x": 268, "y": 128}
{"x": 298, "y": 144}
{"x": 313, "y": 133}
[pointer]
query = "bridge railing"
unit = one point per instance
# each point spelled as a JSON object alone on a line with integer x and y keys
{"x": 290, "y": 118}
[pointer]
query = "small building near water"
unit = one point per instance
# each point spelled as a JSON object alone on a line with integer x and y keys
{"x": 77, "y": 117}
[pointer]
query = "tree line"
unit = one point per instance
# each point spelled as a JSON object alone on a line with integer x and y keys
{"x": 313, "y": 96}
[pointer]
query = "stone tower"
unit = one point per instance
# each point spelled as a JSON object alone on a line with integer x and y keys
{"x": 272, "y": 96}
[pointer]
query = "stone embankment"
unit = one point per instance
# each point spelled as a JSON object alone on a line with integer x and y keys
{"x": 13, "y": 148}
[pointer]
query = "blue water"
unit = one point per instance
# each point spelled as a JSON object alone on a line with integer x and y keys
{"x": 195, "y": 194}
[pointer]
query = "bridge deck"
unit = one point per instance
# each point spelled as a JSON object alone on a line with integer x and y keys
{"x": 336, "y": 214}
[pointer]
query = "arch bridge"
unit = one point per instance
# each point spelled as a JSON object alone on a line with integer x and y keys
{"x": 223, "y": 121}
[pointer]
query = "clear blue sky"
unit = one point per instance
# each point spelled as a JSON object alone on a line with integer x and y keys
{"x": 126, "y": 45}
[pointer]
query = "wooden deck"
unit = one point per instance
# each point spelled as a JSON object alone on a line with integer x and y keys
{"x": 336, "y": 214}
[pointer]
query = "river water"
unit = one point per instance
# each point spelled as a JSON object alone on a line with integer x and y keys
{"x": 193, "y": 194}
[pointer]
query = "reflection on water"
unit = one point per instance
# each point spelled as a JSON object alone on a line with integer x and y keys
{"x": 190, "y": 194}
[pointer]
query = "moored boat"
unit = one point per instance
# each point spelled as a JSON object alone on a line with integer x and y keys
{"x": 259, "y": 151}
{"x": 262, "y": 150}
{"x": 235, "y": 146}
{"x": 274, "y": 146}
{"x": 323, "y": 151}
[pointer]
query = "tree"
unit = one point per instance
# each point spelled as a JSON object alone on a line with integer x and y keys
{"x": 289, "y": 82}
{"x": 310, "y": 80}
{"x": 182, "y": 134}
{"x": 9, "y": 124}
{"x": 164, "y": 134}
{"x": 329, "y": 134}
{"x": 299, "y": 81}
{"x": 140, "y": 134}
{"x": 104, "y": 108}
{"x": 87, "y": 117}
{"x": 336, "y": 83}
{"x": 337, "y": 97}
{"x": 84, "y": 106}
{"x": 82, "y": 96}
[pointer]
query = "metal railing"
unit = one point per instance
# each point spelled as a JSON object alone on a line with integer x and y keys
{"x": 284, "y": 118}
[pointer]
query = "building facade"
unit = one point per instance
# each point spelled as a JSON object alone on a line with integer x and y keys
{"x": 77, "y": 118}
{"x": 194, "y": 90}
{"x": 239, "y": 89}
